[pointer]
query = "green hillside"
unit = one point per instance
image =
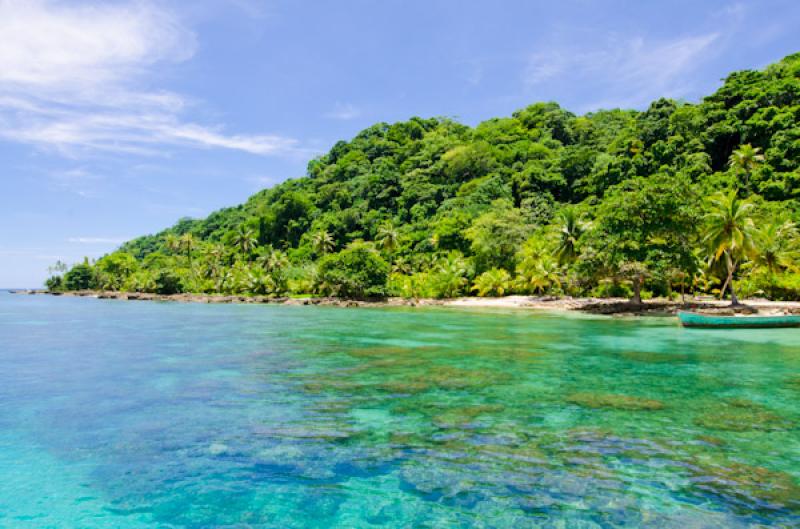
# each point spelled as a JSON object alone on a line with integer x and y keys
{"x": 678, "y": 197}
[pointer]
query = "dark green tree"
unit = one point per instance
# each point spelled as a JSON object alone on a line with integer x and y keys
{"x": 80, "y": 277}
{"x": 358, "y": 272}
{"x": 645, "y": 227}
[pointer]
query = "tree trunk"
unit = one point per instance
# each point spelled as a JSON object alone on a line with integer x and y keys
{"x": 731, "y": 270}
{"x": 637, "y": 291}
{"x": 734, "y": 299}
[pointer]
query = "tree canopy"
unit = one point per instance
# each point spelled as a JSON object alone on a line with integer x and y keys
{"x": 610, "y": 202}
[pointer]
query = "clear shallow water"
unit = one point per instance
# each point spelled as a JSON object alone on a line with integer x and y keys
{"x": 135, "y": 414}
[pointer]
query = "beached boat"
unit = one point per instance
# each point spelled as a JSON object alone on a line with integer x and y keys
{"x": 695, "y": 319}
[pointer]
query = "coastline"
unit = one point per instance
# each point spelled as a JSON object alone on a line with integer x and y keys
{"x": 607, "y": 306}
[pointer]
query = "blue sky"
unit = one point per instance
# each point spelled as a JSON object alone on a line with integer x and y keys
{"x": 117, "y": 118}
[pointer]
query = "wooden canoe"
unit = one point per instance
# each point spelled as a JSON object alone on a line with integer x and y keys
{"x": 695, "y": 319}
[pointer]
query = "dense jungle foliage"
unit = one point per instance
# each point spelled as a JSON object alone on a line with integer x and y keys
{"x": 678, "y": 198}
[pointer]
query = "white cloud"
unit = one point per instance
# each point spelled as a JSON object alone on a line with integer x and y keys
{"x": 75, "y": 78}
{"x": 78, "y": 180}
{"x": 629, "y": 71}
{"x": 259, "y": 144}
{"x": 254, "y": 9}
{"x": 49, "y": 44}
{"x": 545, "y": 66}
{"x": 736, "y": 11}
{"x": 263, "y": 180}
{"x": 344, "y": 112}
{"x": 98, "y": 240}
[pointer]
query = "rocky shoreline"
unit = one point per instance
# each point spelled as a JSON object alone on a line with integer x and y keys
{"x": 611, "y": 306}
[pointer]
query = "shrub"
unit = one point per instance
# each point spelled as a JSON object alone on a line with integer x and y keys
{"x": 79, "y": 277}
{"x": 54, "y": 283}
{"x": 494, "y": 282}
{"x": 611, "y": 289}
{"x": 412, "y": 286}
{"x": 539, "y": 274}
{"x": 141, "y": 281}
{"x": 783, "y": 286}
{"x": 167, "y": 282}
{"x": 300, "y": 279}
{"x": 113, "y": 270}
{"x": 497, "y": 235}
{"x": 359, "y": 271}
{"x": 450, "y": 276}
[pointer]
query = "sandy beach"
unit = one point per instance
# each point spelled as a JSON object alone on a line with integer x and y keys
{"x": 610, "y": 306}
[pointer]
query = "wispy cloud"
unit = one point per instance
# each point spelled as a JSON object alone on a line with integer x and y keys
{"x": 344, "y": 111}
{"x": 78, "y": 180}
{"x": 262, "y": 181}
{"x": 76, "y": 78}
{"x": 252, "y": 8}
{"x": 98, "y": 240}
{"x": 629, "y": 71}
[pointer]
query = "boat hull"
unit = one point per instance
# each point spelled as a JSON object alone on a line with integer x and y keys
{"x": 693, "y": 319}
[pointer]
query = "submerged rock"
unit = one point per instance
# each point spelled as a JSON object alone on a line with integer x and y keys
{"x": 399, "y": 363}
{"x": 405, "y": 386}
{"x": 711, "y": 440}
{"x": 390, "y": 352}
{"x": 330, "y": 384}
{"x": 745, "y": 486}
{"x": 616, "y": 402}
{"x": 740, "y": 415}
{"x": 446, "y": 377}
{"x": 462, "y": 416}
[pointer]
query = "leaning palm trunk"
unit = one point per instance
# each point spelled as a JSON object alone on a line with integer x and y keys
{"x": 734, "y": 299}
{"x": 724, "y": 287}
{"x": 729, "y": 280}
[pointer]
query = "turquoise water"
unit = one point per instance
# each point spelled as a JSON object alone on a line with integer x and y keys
{"x": 137, "y": 414}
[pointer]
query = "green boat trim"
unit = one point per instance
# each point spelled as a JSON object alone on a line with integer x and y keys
{"x": 695, "y": 319}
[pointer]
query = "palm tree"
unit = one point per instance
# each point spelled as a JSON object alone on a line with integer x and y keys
{"x": 187, "y": 244}
{"x": 58, "y": 269}
{"x": 259, "y": 282}
{"x": 451, "y": 275}
{"x": 245, "y": 239}
{"x": 213, "y": 257}
{"x": 172, "y": 242}
{"x": 401, "y": 266}
{"x": 274, "y": 263}
{"x": 492, "y": 282}
{"x": 570, "y": 228}
{"x": 322, "y": 242}
{"x": 746, "y": 159}
{"x": 222, "y": 280}
{"x": 777, "y": 245}
{"x": 539, "y": 273}
{"x": 730, "y": 234}
{"x": 387, "y": 237}
{"x": 278, "y": 268}
{"x": 274, "y": 260}
{"x": 676, "y": 276}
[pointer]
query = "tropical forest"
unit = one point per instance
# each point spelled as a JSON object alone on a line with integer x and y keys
{"x": 679, "y": 199}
